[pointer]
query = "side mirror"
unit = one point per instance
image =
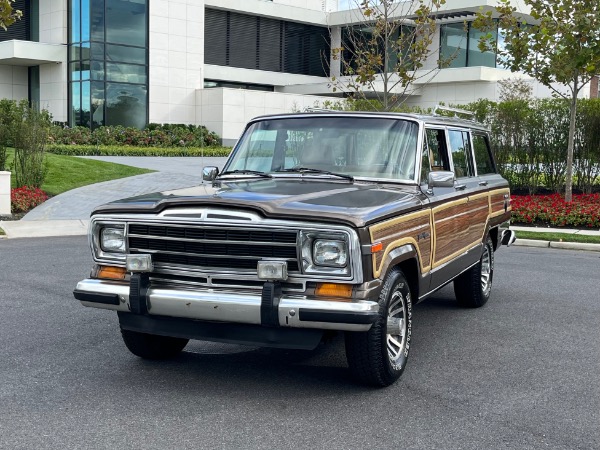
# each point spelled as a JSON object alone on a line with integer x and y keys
{"x": 440, "y": 178}
{"x": 209, "y": 173}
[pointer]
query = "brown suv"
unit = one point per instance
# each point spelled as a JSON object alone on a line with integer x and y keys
{"x": 319, "y": 222}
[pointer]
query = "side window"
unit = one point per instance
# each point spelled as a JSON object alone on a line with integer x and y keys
{"x": 483, "y": 155}
{"x": 436, "y": 144}
{"x": 461, "y": 153}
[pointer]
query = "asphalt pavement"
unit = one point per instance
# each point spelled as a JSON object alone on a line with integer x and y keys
{"x": 519, "y": 373}
{"x": 68, "y": 214}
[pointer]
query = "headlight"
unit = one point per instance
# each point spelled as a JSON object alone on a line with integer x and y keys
{"x": 330, "y": 253}
{"x": 112, "y": 239}
{"x": 325, "y": 253}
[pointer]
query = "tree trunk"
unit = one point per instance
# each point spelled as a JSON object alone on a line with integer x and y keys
{"x": 571, "y": 145}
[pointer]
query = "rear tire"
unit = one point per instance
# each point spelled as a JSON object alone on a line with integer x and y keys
{"x": 378, "y": 357}
{"x": 473, "y": 287}
{"x": 152, "y": 346}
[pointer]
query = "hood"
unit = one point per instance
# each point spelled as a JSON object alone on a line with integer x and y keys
{"x": 356, "y": 204}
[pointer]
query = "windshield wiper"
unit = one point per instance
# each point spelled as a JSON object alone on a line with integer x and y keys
{"x": 246, "y": 172}
{"x": 319, "y": 171}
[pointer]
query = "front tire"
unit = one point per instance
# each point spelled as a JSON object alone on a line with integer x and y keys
{"x": 152, "y": 346}
{"x": 473, "y": 287}
{"x": 378, "y": 357}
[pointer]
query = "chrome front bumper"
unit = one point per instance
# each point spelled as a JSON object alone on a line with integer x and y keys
{"x": 293, "y": 311}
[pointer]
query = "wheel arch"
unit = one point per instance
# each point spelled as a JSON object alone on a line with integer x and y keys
{"x": 405, "y": 258}
{"x": 493, "y": 234}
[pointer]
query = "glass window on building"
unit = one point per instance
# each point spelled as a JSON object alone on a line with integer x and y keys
{"x": 125, "y": 22}
{"x": 360, "y": 38}
{"x": 476, "y": 57}
{"x": 453, "y": 48}
{"x": 108, "y": 63}
{"x": 500, "y": 45}
{"x": 126, "y": 105}
{"x": 459, "y": 46}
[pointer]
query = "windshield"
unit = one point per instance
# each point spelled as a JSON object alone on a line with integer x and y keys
{"x": 356, "y": 146}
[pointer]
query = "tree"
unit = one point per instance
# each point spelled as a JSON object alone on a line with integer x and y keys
{"x": 8, "y": 16}
{"x": 562, "y": 47}
{"x": 381, "y": 55}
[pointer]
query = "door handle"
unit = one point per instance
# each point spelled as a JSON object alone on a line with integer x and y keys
{"x": 460, "y": 187}
{"x": 483, "y": 183}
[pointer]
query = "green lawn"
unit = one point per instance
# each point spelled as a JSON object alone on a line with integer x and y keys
{"x": 558, "y": 237}
{"x": 68, "y": 172}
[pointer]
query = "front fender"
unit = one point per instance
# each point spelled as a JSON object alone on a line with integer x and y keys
{"x": 397, "y": 256}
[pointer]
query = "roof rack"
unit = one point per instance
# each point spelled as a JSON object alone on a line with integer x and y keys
{"x": 309, "y": 109}
{"x": 454, "y": 110}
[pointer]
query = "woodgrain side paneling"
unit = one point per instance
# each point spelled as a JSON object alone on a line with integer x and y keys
{"x": 412, "y": 229}
{"x": 440, "y": 234}
{"x": 497, "y": 201}
{"x": 458, "y": 226}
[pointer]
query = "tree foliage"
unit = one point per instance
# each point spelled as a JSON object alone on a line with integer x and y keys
{"x": 561, "y": 46}
{"x": 381, "y": 54}
{"x": 8, "y": 15}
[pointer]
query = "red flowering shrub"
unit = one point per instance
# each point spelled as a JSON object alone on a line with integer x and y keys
{"x": 584, "y": 211}
{"x": 25, "y": 198}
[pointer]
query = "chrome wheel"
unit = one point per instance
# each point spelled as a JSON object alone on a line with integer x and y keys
{"x": 486, "y": 270}
{"x": 396, "y": 327}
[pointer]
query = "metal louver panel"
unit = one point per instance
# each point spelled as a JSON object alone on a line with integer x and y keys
{"x": 215, "y": 37}
{"x": 20, "y": 29}
{"x": 305, "y": 48}
{"x": 252, "y": 42}
{"x": 269, "y": 45}
{"x": 243, "y": 34}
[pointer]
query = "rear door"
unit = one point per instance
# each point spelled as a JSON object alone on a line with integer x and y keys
{"x": 488, "y": 177}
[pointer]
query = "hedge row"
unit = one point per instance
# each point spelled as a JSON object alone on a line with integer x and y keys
{"x": 119, "y": 150}
{"x": 530, "y": 142}
{"x": 154, "y": 135}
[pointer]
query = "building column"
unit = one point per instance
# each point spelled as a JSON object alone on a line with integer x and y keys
{"x": 335, "y": 64}
{"x": 176, "y": 60}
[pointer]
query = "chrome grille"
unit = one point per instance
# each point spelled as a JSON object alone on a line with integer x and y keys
{"x": 211, "y": 247}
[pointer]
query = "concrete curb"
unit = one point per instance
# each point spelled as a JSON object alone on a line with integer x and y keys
{"x": 531, "y": 243}
{"x": 557, "y": 245}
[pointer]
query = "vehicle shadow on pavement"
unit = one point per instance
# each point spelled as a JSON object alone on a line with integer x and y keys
{"x": 239, "y": 368}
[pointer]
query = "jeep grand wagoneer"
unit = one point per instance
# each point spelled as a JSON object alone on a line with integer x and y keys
{"x": 319, "y": 222}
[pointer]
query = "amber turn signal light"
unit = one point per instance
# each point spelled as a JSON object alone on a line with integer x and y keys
{"x": 333, "y": 290}
{"x": 377, "y": 247}
{"x": 112, "y": 273}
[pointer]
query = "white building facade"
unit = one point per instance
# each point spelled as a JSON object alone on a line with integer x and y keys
{"x": 216, "y": 63}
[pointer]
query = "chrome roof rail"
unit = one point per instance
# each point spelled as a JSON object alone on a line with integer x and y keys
{"x": 456, "y": 111}
{"x": 310, "y": 109}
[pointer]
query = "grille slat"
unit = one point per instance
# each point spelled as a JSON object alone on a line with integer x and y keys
{"x": 210, "y": 248}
